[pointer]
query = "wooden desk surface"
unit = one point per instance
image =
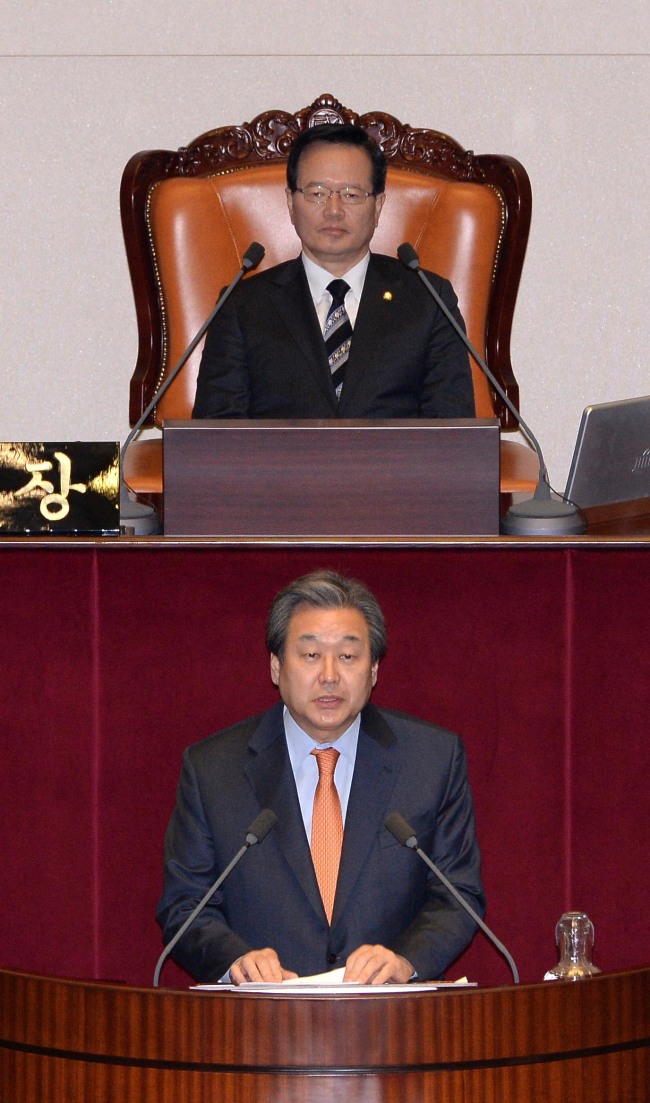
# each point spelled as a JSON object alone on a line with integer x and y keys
{"x": 559, "y": 1042}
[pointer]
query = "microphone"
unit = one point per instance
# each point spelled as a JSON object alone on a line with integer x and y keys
{"x": 134, "y": 516}
{"x": 405, "y": 835}
{"x": 256, "y": 833}
{"x": 540, "y": 515}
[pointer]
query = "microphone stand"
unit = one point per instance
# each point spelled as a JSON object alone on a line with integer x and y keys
{"x": 135, "y": 517}
{"x": 257, "y": 832}
{"x": 541, "y": 515}
{"x": 403, "y": 832}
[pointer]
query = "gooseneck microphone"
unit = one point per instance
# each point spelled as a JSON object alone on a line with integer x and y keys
{"x": 541, "y": 515}
{"x": 256, "y": 833}
{"x": 134, "y": 514}
{"x": 405, "y": 836}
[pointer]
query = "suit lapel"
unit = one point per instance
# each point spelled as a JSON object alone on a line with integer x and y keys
{"x": 271, "y": 777}
{"x": 376, "y": 315}
{"x": 375, "y": 773}
{"x": 294, "y": 305}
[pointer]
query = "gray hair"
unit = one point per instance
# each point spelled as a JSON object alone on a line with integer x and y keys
{"x": 325, "y": 590}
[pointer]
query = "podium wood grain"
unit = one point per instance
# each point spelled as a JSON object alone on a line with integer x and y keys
{"x": 337, "y": 478}
{"x": 77, "y": 1042}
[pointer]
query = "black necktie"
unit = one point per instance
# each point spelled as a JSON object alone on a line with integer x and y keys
{"x": 337, "y": 333}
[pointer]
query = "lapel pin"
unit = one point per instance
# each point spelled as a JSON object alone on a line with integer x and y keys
{"x": 388, "y": 295}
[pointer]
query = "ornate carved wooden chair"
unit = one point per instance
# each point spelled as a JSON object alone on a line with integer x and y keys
{"x": 188, "y": 216}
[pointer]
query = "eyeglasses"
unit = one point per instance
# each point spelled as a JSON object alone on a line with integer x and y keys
{"x": 318, "y": 194}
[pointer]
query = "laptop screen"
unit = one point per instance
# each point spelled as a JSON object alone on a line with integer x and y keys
{"x": 611, "y": 460}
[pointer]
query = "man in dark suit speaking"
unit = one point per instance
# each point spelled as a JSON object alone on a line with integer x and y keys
{"x": 329, "y": 887}
{"x": 339, "y": 331}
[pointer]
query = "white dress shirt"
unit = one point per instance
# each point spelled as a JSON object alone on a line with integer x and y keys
{"x": 318, "y": 279}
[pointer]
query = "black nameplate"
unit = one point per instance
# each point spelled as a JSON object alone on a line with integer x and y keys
{"x": 67, "y": 488}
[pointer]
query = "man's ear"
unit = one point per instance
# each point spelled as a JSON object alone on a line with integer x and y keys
{"x": 379, "y": 202}
{"x": 275, "y": 670}
{"x": 289, "y": 195}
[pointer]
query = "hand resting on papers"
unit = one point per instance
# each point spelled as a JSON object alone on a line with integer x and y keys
{"x": 259, "y": 965}
{"x": 366, "y": 965}
{"x": 377, "y": 965}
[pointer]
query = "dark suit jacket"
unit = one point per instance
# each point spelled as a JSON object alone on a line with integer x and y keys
{"x": 385, "y": 893}
{"x": 264, "y": 354}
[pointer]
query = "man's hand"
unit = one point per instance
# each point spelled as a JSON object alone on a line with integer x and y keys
{"x": 377, "y": 965}
{"x": 260, "y": 965}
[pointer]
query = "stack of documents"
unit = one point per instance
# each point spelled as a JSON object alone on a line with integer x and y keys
{"x": 332, "y": 984}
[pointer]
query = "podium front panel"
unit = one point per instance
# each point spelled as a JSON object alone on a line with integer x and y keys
{"x": 319, "y": 479}
{"x": 73, "y": 1042}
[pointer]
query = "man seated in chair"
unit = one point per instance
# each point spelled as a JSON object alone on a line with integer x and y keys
{"x": 339, "y": 331}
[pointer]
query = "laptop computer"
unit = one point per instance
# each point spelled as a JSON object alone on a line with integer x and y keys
{"x": 611, "y": 460}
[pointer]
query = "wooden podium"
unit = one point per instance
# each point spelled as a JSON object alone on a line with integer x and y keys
{"x": 66, "y": 1041}
{"x": 331, "y": 478}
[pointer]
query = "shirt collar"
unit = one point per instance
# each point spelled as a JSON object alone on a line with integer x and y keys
{"x": 318, "y": 278}
{"x": 300, "y": 745}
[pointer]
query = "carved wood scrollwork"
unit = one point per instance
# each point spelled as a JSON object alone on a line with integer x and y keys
{"x": 270, "y": 135}
{"x": 437, "y": 151}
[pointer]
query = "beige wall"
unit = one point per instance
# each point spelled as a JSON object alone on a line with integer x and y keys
{"x": 85, "y": 85}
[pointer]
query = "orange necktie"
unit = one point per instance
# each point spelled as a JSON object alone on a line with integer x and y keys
{"x": 326, "y": 828}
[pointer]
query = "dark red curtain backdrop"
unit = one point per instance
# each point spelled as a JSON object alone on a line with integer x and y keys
{"x": 115, "y": 657}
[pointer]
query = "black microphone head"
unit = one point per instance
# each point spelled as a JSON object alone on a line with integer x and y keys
{"x": 408, "y": 256}
{"x": 253, "y": 255}
{"x": 401, "y": 830}
{"x": 261, "y": 826}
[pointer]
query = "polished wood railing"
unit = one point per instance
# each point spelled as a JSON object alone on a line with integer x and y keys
{"x": 78, "y": 1042}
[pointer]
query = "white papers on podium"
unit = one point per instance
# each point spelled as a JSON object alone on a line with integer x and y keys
{"x": 330, "y": 984}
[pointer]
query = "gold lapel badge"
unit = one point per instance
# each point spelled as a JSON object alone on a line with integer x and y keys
{"x": 388, "y": 295}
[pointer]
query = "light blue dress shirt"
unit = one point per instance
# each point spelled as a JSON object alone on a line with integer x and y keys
{"x": 305, "y": 767}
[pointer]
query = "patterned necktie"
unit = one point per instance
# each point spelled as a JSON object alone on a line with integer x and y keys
{"x": 326, "y": 828}
{"x": 337, "y": 333}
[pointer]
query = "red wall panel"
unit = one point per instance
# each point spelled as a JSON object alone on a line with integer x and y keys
{"x": 48, "y": 749}
{"x": 116, "y": 657}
